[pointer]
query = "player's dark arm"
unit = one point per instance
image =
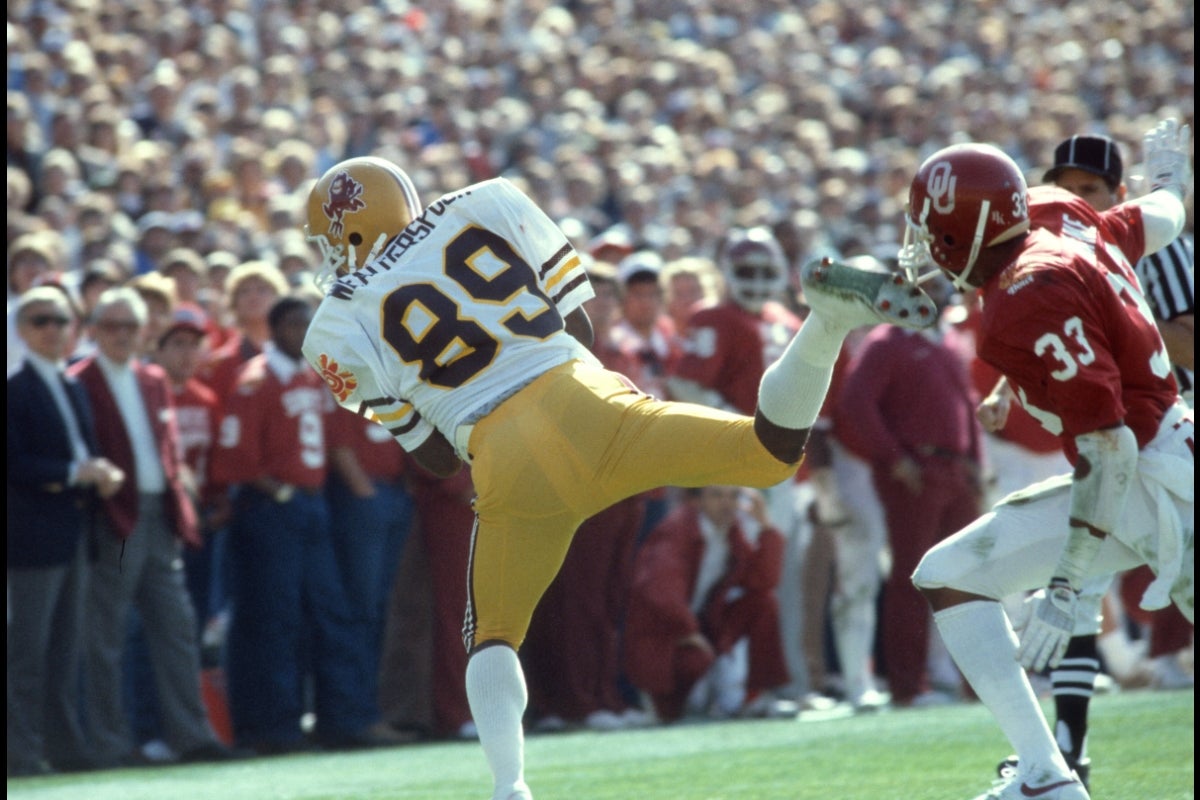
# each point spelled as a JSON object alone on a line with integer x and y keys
{"x": 579, "y": 325}
{"x": 1179, "y": 335}
{"x": 437, "y": 455}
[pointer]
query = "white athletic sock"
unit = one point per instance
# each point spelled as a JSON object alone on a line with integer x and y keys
{"x": 497, "y": 695}
{"x": 853, "y": 631}
{"x": 981, "y": 640}
{"x": 793, "y": 389}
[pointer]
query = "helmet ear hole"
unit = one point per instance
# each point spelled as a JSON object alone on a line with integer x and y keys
{"x": 355, "y": 239}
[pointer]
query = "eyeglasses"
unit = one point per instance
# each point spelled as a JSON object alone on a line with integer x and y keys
{"x": 46, "y": 320}
{"x": 117, "y": 326}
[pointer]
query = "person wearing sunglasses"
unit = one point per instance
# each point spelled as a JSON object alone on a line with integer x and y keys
{"x": 54, "y": 478}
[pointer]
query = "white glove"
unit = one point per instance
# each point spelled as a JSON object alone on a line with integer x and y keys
{"x": 1165, "y": 149}
{"x": 1049, "y": 628}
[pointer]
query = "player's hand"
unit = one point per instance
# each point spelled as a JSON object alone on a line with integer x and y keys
{"x": 1049, "y": 627}
{"x": 993, "y": 411}
{"x": 1165, "y": 149}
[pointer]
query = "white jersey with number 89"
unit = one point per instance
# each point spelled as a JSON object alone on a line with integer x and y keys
{"x": 458, "y": 311}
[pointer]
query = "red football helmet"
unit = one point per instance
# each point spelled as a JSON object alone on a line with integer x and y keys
{"x": 964, "y": 198}
{"x": 754, "y": 266}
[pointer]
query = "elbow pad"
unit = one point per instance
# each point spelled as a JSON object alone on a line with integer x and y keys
{"x": 1163, "y": 217}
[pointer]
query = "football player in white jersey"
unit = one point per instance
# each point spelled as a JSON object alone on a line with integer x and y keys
{"x": 460, "y": 328}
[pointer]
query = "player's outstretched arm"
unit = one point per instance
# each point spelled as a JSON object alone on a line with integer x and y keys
{"x": 1169, "y": 171}
{"x": 579, "y": 325}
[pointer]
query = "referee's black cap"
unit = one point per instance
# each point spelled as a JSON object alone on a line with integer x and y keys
{"x": 1096, "y": 154}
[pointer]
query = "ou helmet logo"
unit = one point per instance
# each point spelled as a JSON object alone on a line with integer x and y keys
{"x": 941, "y": 187}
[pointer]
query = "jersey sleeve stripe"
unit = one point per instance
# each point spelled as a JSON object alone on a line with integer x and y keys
{"x": 550, "y": 263}
{"x": 569, "y": 287}
{"x": 562, "y": 273}
{"x": 400, "y": 430}
{"x": 392, "y": 416}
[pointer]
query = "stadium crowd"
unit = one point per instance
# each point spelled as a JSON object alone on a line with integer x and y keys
{"x": 170, "y": 147}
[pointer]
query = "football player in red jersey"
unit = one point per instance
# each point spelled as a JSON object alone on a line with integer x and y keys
{"x": 730, "y": 343}
{"x": 726, "y": 349}
{"x": 1066, "y": 323}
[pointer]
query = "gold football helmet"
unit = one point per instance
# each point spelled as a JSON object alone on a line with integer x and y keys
{"x": 354, "y": 209}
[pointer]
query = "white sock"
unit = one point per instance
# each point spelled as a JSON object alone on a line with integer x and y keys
{"x": 982, "y": 643}
{"x": 793, "y": 389}
{"x": 853, "y": 632}
{"x": 497, "y": 695}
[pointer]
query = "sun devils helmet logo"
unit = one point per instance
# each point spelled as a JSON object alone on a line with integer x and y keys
{"x": 941, "y": 188}
{"x": 345, "y": 197}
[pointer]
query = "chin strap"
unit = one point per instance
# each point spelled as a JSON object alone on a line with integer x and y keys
{"x": 960, "y": 280}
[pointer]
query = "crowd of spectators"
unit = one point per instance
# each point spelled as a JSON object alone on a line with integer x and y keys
{"x": 156, "y": 138}
{"x": 671, "y": 120}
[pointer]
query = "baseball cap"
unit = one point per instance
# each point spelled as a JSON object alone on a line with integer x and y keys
{"x": 598, "y": 270}
{"x": 642, "y": 262}
{"x": 154, "y": 219}
{"x": 611, "y": 245}
{"x": 187, "y": 317}
{"x": 1098, "y": 155}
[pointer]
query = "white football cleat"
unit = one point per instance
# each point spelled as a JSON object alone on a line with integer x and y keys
{"x": 1037, "y": 785}
{"x": 851, "y": 294}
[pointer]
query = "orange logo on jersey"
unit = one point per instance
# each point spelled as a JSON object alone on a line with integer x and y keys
{"x": 345, "y": 197}
{"x": 341, "y": 382}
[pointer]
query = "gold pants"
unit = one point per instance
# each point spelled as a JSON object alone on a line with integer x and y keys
{"x": 570, "y": 444}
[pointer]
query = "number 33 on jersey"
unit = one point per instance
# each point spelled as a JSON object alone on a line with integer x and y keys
{"x": 1070, "y": 327}
{"x": 463, "y": 307}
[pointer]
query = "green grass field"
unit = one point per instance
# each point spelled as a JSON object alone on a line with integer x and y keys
{"x": 1142, "y": 747}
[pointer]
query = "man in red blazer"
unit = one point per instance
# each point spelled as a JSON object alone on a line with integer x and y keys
{"x": 701, "y": 584}
{"x": 144, "y": 527}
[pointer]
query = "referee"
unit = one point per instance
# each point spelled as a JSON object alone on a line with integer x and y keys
{"x": 1166, "y": 277}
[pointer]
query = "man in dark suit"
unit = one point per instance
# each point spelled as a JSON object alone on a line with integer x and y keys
{"x": 142, "y": 531}
{"x": 53, "y": 475}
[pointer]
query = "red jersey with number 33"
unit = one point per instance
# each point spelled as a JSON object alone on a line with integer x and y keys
{"x": 1067, "y": 322}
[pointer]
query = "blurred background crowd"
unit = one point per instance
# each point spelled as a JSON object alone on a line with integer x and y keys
{"x": 169, "y": 148}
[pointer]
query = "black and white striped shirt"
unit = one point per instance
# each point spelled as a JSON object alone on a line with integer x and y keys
{"x": 1166, "y": 278}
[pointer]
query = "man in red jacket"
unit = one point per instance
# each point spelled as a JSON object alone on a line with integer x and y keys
{"x": 702, "y": 582}
{"x": 906, "y": 408}
{"x": 146, "y": 523}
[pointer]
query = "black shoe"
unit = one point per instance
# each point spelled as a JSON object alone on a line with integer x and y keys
{"x": 214, "y": 751}
{"x": 1082, "y": 768}
{"x": 378, "y": 735}
{"x": 287, "y": 748}
{"x": 29, "y": 769}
